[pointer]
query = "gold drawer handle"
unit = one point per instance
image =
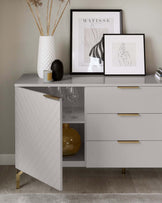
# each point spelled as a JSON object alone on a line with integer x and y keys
{"x": 51, "y": 97}
{"x": 128, "y": 87}
{"x": 128, "y": 114}
{"x": 128, "y": 141}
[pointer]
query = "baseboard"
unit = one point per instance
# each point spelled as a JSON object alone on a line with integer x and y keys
{"x": 7, "y": 159}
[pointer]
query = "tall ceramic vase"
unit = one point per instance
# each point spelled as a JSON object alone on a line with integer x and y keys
{"x": 46, "y": 54}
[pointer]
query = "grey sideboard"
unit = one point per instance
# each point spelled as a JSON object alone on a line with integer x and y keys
{"x": 119, "y": 120}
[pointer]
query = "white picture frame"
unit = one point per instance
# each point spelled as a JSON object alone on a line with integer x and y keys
{"x": 87, "y": 29}
{"x": 124, "y": 54}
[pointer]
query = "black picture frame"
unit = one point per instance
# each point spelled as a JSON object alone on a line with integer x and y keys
{"x": 143, "y": 56}
{"x": 72, "y": 11}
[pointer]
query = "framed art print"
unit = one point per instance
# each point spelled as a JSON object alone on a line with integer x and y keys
{"x": 124, "y": 54}
{"x": 87, "y": 29}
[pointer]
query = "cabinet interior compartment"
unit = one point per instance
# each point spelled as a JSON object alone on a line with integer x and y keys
{"x": 72, "y": 101}
{"x": 80, "y": 155}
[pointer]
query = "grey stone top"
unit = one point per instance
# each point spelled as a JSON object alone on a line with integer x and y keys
{"x": 32, "y": 80}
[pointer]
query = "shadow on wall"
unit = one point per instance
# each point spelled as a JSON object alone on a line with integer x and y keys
{"x": 150, "y": 56}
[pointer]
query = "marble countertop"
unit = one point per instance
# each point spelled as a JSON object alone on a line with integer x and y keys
{"x": 32, "y": 80}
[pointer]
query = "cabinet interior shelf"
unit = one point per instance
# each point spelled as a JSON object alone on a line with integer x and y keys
{"x": 76, "y": 160}
{"x": 73, "y": 116}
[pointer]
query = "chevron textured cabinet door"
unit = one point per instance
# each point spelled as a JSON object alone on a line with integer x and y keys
{"x": 38, "y": 141}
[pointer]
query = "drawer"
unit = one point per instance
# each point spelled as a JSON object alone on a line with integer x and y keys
{"x": 128, "y": 155}
{"x": 123, "y": 126}
{"x": 123, "y": 100}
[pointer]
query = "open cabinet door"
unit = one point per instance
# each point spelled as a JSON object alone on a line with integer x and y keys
{"x": 38, "y": 139}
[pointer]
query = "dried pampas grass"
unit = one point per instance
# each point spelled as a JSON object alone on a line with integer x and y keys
{"x": 58, "y": 21}
{"x": 49, "y": 17}
{"x": 36, "y": 15}
{"x": 36, "y": 3}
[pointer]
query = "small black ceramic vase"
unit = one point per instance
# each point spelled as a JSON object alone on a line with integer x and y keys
{"x": 57, "y": 70}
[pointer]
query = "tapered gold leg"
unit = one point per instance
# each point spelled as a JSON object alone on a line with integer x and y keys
{"x": 18, "y": 174}
{"x": 123, "y": 171}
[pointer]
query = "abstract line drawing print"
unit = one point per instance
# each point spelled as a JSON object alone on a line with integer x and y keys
{"x": 98, "y": 51}
{"x": 124, "y": 54}
{"x": 96, "y": 56}
{"x": 94, "y": 48}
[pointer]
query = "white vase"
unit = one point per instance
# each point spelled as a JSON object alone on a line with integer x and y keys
{"x": 46, "y": 54}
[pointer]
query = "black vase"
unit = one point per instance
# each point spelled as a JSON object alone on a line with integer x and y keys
{"x": 57, "y": 70}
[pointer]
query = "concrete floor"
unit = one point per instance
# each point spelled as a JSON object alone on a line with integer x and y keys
{"x": 82, "y": 180}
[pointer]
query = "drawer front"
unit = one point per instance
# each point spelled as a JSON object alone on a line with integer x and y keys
{"x": 124, "y": 155}
{"x": 123, "y": 126}
{"x": 123, "y": 100}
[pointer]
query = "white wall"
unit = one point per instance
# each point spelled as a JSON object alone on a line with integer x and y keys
{"x": 19, "y": 42}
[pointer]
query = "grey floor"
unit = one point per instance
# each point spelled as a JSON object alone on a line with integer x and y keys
{"x": 82, "y": 180}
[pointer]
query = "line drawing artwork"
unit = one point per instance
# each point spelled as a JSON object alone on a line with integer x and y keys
{"x": 88, "y": 30}
{"x": 124, "y": 56}
{"x": 91, "y": 44}
{"x": 95, "y": 51}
